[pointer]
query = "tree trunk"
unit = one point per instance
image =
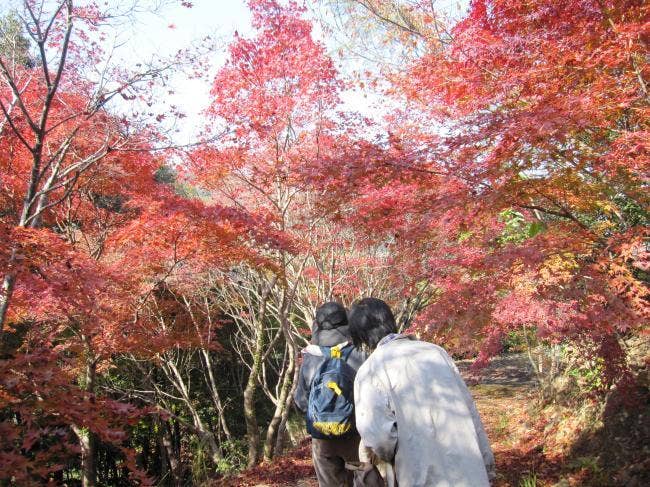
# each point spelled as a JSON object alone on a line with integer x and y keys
{"x": 215, "y": 451}
{"x": 88, "y": 445}
{"x": 144, "y": 456}
{"x": 280, "y": 408}
{"x": 282, "y": 431}
{"x": 161, "y": 466}
{"x": 252, "y": 430}
{"x": 170, "y": 451}
{"x": 205, "y": 435}
{"x": 208, "y": 372}
{"x": 5, "y": 296}
{"x": 9, "y": 280}
{"x": 87, "y": 439}
{"x": 214, "y": 392}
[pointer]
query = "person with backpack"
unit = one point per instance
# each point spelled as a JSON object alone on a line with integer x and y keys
{"x": 325, "y": 394}
{"x": 413, "y": 409}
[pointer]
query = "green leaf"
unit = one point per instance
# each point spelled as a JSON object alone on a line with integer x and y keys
{"x": 535, "y": 228}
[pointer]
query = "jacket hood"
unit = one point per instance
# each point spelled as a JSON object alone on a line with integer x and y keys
{"x": 329, "y": 338}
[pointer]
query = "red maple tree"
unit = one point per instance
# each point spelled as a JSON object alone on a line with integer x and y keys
{"x": 519, "y": 165}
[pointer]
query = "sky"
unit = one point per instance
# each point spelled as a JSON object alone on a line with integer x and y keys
{"x": 148, "y": 34}
{"x": 176, "y": 27}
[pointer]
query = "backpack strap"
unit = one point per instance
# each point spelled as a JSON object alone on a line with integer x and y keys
{"x": 341, "y": 350}
{"x": 347, "y": 351}
{"x": 325, "y": 351}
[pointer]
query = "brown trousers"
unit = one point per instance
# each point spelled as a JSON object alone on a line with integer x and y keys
{"x": 329, "y": 458}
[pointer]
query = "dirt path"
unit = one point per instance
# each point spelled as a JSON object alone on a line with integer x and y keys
{"x": 503, "y": 396}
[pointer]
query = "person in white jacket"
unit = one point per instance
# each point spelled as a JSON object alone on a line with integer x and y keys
{"x": 413, "y": 409}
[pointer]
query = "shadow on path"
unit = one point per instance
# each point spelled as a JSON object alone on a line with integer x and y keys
{"x": 509, "y": 370}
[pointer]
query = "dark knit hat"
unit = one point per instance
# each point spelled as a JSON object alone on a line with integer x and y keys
{"x": 330, "y": 315}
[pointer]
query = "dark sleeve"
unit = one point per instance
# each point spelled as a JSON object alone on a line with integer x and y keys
{"x": 301, "y": 394}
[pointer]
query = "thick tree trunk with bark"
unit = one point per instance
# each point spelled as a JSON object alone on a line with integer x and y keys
{"x": 88, "y": 444}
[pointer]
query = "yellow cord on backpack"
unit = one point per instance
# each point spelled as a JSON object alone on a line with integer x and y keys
{"x": 335, "y": 387}
{"x": 335, "y": 352}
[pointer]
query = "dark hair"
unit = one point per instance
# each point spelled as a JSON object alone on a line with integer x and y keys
{"x": 371, "y": 320}
{"x": 330, "y": 315}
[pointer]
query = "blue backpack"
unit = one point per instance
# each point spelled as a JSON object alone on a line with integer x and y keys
{"x": 330, "y": 408}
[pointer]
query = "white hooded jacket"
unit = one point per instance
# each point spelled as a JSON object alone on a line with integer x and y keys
{"x": 413, "y": 409}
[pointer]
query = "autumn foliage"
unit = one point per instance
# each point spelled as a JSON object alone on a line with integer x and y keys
{"x": 521, "y": 152}
{"x": 155, "y": 298}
